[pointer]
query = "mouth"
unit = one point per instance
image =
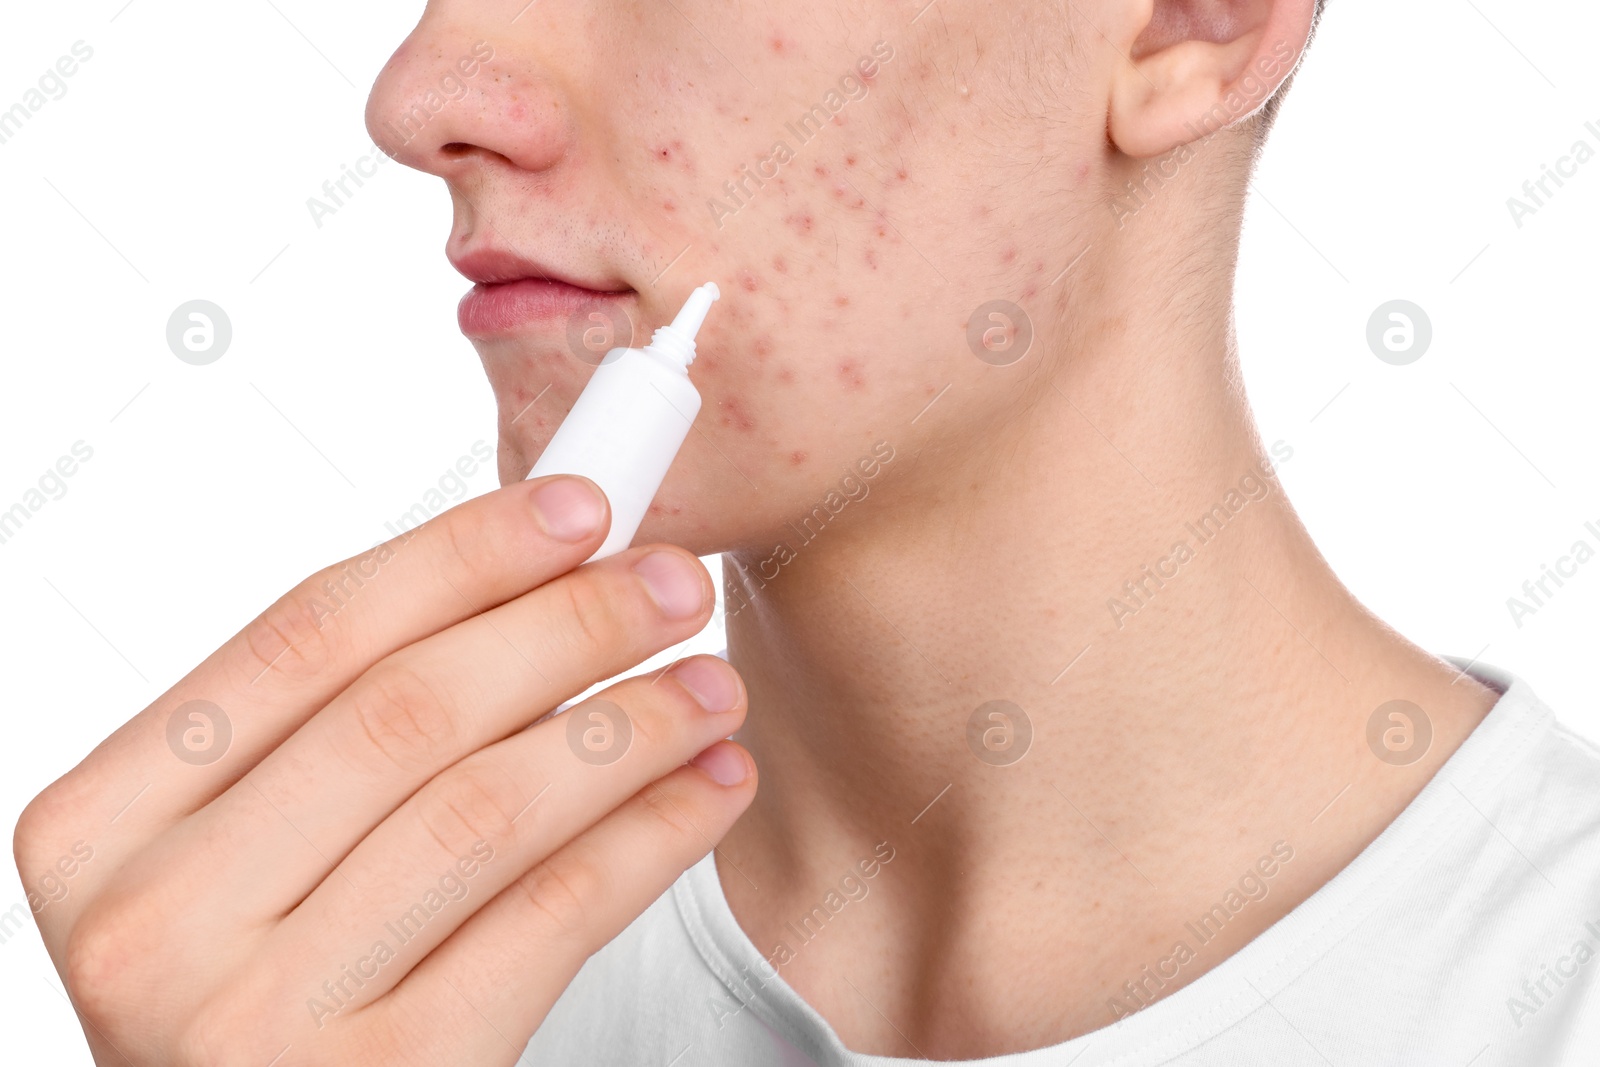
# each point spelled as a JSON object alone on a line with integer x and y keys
{"x": 513, "y": 294}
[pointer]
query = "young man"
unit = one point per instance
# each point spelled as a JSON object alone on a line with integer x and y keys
{"x": 1073, "y": 749}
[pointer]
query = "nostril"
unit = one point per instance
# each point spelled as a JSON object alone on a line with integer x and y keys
{"x": 455, "y": 149}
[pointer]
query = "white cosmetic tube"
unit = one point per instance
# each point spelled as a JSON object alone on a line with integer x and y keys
{"x": 631, "y": 419}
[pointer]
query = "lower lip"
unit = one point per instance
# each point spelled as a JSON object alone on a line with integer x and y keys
{"x": 493, "y": 310}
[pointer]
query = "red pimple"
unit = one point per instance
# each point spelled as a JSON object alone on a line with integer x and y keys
{"x": 734, "y": 415}
{"x": 797, "y": 458}
{"x": 872, "y": 259}
{"x": 1008, "y": 255}
{"x": 841, "y": 300}
{"x": 762, "y": 347}
{"x": 801, "y": 221}
{"x": 901, "y": 174}
{"x": 748, "y": 281}
{"x": 780, "y": 264}
{"x": 786, "y": 376}
{"x": 850, "y": 371}
{"x": 849, "y": 161}
{"x": 821, "y": 171}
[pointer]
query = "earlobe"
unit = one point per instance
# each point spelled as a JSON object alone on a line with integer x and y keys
{"x": 1189, "y": 77}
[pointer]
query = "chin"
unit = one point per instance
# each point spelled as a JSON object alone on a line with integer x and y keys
{"x": 513, "y": 461}
{"x": 672, "y": 522}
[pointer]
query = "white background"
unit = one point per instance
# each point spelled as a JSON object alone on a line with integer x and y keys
{"x": 178, "y": 164}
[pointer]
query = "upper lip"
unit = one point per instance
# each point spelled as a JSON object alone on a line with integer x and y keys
{"x": 489, "y": 266}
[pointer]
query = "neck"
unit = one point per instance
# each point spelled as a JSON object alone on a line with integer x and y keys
{"x": 1122, "y": 566}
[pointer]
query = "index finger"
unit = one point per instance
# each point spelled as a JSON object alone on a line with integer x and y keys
{"x": 264, "y": 682}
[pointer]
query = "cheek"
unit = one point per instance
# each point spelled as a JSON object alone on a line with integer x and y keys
{"x": 836, "y": 321}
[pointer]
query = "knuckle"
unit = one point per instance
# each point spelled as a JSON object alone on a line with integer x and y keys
{"x": 98, "y": 965}
{"x": 468, "y": 538}
{"x": 473, "y": 802}
{"x": 597, "y": 625}
{"x": 665, "y": 712}
{"x": 401, "y": 717}
{"x": 669, "y": 814}
{"x": 655, "y": 726}
{"x": 561, "y": 895}
{"x": 41, "y": 823}
{"x": 295, "y": 637}
{"x": 484, "y": 539}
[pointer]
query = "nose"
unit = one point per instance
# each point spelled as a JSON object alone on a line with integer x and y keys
{"x": 450, "y": 101}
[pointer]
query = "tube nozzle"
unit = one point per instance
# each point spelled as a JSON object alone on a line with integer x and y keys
{"x": 678, "y": 338}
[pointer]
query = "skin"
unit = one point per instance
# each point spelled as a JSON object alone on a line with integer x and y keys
{"x": 381, "y": 755}
{"x": 1173, "y": 745}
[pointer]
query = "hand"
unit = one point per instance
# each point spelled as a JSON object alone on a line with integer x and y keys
{"x": 354, "y": 851}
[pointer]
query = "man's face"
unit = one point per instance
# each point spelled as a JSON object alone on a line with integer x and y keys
{"x": 860, "y": 179}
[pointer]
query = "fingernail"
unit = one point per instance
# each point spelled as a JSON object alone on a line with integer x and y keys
{"x": 725, "y": 764}
{"x": 710, "y": 682}
{"x": 569, "y": 509}
{"x": 674, "y": 584}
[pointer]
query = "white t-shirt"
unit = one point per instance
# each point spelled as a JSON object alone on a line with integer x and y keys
{"x": 1468, "y": 933}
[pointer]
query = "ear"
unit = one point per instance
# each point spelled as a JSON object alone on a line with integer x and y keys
{"x": 1197, "y": 66}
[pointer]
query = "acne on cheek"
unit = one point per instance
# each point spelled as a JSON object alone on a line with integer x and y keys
{"x": 844, "y": 193}
{"x": 1031, "y": 290}
{"x": 673, "y": 154}
{"x": 732, "y": 414}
